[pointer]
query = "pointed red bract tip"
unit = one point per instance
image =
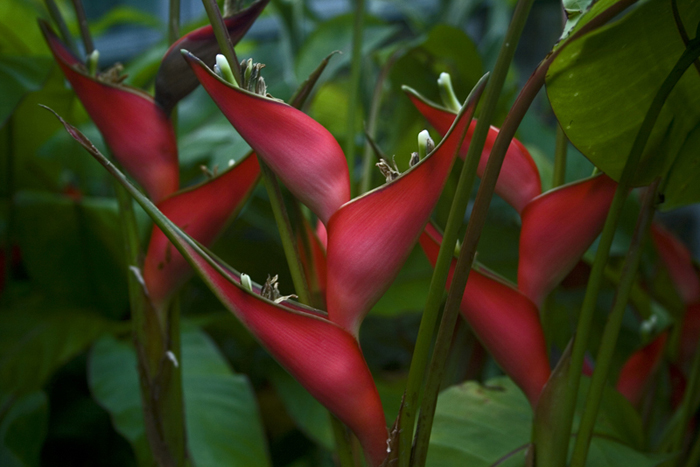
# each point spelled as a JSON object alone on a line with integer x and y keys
{"x": 302, "y": 153}
{"x": 519, "y": 180}
{"x": 505, "y": 321}
{"x": 175, "y": 80}
{"x": 137, "y": 131}
{"x": 557, "y": 229}
{"x": 371, "y": 237}
{"x": 638, "y": 369}
{"x": 679, "y": 262}
{"x": 324, "y": 358}
{"x": 202, "y": 212}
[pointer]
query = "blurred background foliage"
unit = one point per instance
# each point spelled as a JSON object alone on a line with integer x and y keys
{"x": 68, "y": 384}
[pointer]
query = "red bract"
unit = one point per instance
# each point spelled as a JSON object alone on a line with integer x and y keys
{"x": 136, "y": 129}
{"x": 202, "y": 212}
{"x": 638, "y": 369}
{"x": 679, "y": 262}
{"x": 302, "y": 153}
{"x": 175, "y": 79}
{"x": 313, "y": 261}
{"x": 557, "y": 228}
{"x": 505, "y": 321}
{"x": 370, "y": 237}
{"x": 519, "y": 180}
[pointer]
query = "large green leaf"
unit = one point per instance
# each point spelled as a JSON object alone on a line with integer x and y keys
{"x": 73, "y": 249}
{"x": 479, "y": 425}
{"x": 223, "y": 422}
{"x": 22, "y": 431}
{"x": 601, "y": 86}
{"x": 20, "y": 75}
{"x": 34, "y": 344}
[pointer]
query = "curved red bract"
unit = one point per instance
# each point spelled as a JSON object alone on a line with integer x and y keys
{"x": 519, "y": 180}
{"x": 136, "y": 129}
{"x": 202, "y": 212}
{"x": 301, "y": 152}
{"x": 557, "y": 229}
{"x": 638, "y": 369}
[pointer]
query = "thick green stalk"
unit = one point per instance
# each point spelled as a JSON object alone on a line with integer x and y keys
{"x": 597, "y": 273}
{"x": 158, "y": 350}
{"x": 84, "y": 29}
{"x": 612, "y": 328}
{"x": 174, "y": 21}
{"x": 343, "y": 443}
{"x": 354, "y": 91}
{"x": 459, "y": 204}
{"x": 223, "y": 38}
{"x": 9, "y": 195}
{"x": 561, "y": 146}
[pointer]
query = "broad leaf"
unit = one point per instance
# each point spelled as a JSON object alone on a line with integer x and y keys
{"x": 18, "y": 76}
{"x": 23, "y": 428}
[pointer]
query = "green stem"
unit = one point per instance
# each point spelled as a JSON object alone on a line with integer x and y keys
{"x": 291, "y": 249}
{"x": 174, "y": 21}
{"x": 688, "y": 405}
{"x": 343, "y": 443}
{"x": 368, "y": 156}
{"x": 223, "y": 38}
{"x": 10, "y": 194}
{"x": 84, "y": 29}
{"x": 157, "y": 344}
{"x": 561, "y": 146}
{"x": 459, "y": 204}
{"x": 57, "y": 18}
{"x": 355, "y": 69}
{"x": 597, "y": 273}
{"x": 694, "y": 457}
{"x": 612, "y": 328}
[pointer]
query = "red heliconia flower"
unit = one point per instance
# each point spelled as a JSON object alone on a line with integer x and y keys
{"x": 506, "y": 322}
{"x": 638, "y": 369}
{"x": 679, "y": 262}
{"x": 175, "y": 79}
{"x": 557, "y": 228}
{"x": 302, "y": 153}
{"x": 322, "y": 356}
{"x": 201, "y": 211}
{"x": 519, "y": 180}
{"x": 136, "y": 129}
{"x": 371, "y": 237}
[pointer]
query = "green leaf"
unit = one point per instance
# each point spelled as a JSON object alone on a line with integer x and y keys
{"x": 124, "y": 15}
{"x": 336, "y": 34}
{"x": 34, "y": 344}
{"x": 223, "y": 422}
{"x": 22, "y": 431}
{"x": 681, "y": 187}
{"x": 601, "y": 86}
{"x": 20, "y": 75}
{"x": 19, "y": 33}
{"x": 479, "y": 425}
{"x": 88, "y": 269}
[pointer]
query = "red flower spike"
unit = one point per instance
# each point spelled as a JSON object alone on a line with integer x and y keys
{"x": 506, "y": 322}
{"x": 302, "y": 153}
{"x": 202, "y": 212}
{"x": 136, "y": 129}
{"x": 637, "y": 370}
{"x": 679, "y": 262}
{"x": 175, "y": 80}
{"x": 519, "y": 180}
{"x": 370, "y": 237}
{"x": 558, "y": 227}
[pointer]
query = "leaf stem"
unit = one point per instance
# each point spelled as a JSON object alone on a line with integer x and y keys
{"x": 57, "y": 18}
{"x": 354, "y": 91}
{"x": 560, "y": 149}
{"x": 84, "y": 29}
{"x": 612, "y": 328}
{"x": 459, "y": 204}
{"x": 174, "y": 21}
{"x": 223, "y": 38}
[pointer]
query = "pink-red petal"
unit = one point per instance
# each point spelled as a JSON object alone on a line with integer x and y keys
{"x": 370, "y": 237}
{"x": 505, "y": 321}
{"x": 638, "y": 369}
{"x": 136, "y": 129}
{"x": 202, "y": 212}
{"x": 175, "y": 80}
{"x": 557, "y": 228}
{"x": 519, "y": 180}
{"x": 679, "y": 262}
{"x": 302, "y": 153}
